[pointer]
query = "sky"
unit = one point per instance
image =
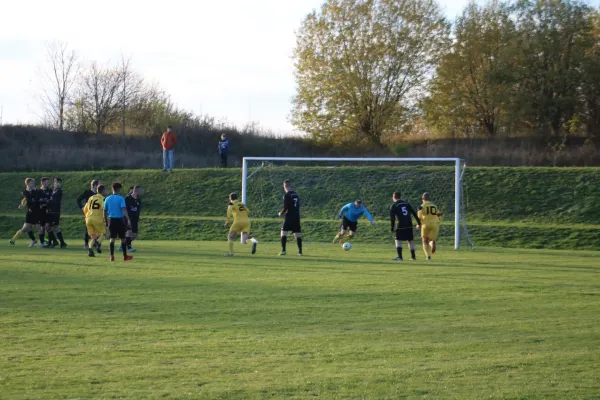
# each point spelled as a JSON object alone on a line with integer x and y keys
{"x": 227, "y": 59}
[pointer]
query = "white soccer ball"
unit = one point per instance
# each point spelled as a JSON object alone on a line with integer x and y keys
{"x": 347, "y": 246}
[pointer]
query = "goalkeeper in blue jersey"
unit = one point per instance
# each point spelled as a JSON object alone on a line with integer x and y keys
{"x": 350, "y": 214}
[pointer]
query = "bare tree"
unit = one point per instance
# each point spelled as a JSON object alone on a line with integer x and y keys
{"x": 58, "y": 78}
{"x": 131, "y": 91}
{"x": 100, "y": 90}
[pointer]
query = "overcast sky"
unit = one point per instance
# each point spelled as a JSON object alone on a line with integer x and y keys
{"x": 228, "y": 59}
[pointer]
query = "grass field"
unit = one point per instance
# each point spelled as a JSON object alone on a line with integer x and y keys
{"x": 183, "y": 322}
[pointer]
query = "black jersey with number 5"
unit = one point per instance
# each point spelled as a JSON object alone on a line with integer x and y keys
{"x": 402, "y": 211}
{"x": 291, "y": 204}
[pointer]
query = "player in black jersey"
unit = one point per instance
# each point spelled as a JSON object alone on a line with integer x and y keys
{"x": 30, "y": 203}
{"x": 53, "y": 216}
{"x": 402, "y": 212}
{"x": 81, "y": 202}
{"x": 291, "y": 217}
{"x": 133, "y": 202}
{"x": 44, "y": 195}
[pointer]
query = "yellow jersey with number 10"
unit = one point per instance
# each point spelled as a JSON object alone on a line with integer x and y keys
{"x": 238, "y": 211}
{"x": 429, "y": 214}
{"x": 94, "y": 208}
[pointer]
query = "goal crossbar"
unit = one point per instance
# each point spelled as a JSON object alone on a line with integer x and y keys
{"x": 457, "y": 176}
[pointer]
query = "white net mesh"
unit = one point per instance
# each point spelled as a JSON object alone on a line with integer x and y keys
{"x": 324, "y": 187}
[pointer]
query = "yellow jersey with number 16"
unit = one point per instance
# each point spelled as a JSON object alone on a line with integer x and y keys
{"x": 237, "y": 210}
{"x": 94, "y": 208}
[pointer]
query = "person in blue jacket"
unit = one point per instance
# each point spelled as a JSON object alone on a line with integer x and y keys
{"x": 224, "y": 150}
{"x": 350, "y": 214}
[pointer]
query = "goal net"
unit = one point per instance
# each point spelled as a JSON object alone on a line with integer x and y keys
{"x": 324, "y": 185}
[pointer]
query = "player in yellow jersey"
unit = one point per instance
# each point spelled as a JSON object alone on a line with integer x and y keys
{"x": 241, "y": 223}
{"x": 430, "y": 218}
{"x": 94, "y": 220}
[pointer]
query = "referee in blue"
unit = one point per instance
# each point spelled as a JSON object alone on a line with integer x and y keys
{"x": 115, "y": 212}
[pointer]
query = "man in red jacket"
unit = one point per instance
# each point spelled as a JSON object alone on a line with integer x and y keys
{"x": 168, "y": 141}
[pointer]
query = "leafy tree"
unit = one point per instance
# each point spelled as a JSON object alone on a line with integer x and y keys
{"x": 360, "y": 63}
{"x": 553, "y": 39}
{"x": 472, "y": 84}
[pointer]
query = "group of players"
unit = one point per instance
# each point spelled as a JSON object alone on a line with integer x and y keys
{"x": 428, "y": 220}
{"x": 43, "y": 213}
{"x": 120, "y": 217}
{"x": 115, "y": 214}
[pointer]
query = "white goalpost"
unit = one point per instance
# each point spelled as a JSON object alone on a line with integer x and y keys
{"x": 248, "y": 171}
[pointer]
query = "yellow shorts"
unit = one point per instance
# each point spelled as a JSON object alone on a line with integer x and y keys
{"x": 240, "y": 227}
{"x": 430, "y": 232}
{"x": 95, "y": 227}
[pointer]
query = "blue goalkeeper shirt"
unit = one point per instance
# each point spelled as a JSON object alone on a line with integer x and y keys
{"x": 352, "y": 213}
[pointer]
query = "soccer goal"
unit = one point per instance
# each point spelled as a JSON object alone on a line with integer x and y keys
{"x": 325, "y": 184}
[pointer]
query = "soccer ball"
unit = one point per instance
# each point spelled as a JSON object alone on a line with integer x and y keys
{"x": 347, "y": 246}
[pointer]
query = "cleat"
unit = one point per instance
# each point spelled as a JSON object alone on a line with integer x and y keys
{"x": 51, "y": 245}
{"x": 127, "y": 258}
{"x": 132, "y": 249}
{"x": 32, "y": 244}
{"x": 413, "y": 259}
{"x": 228, "y": 255}
{"x": 283, "y": 253}
{"x": 120, "y": 249}
{"x": 112, "y": 258}
{"x": 41, "y": 246}
{"x": 63, "y": 245}
{"x": 428, "y": 258}
{"x": 99, "y": 249}
{"x": 86, "y": 247}
{"x": 12, "y": 242}
{"x": 300, "y": 254}
{"x": 91, "y": 253}
{"x": 398, "y": 259}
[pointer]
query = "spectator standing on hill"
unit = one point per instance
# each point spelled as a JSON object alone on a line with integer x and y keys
{"x": 168, "y": 141}
{"x": 224, "y": 150}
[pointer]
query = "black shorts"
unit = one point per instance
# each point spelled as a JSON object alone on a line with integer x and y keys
{"x": 32, "y": 217}
{"x": 134, "y": 223}
{"x": 117, "y": 228}
{"x": 291, "y": 225}
{"x": 53, "y": 219}
{"x": 43, "y": 217}
{"x": 405, "y": 234}
{"x": 347, "y": 224}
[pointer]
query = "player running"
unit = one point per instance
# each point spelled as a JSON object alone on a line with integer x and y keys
{"x": 241, "y": 223}
{"x": 44, "y": 196}
{"x": 30, "y": 202}
{"x": 53, "y": 215}
{"x": 430, "y": 218}
{"x": 291, "y": 217}
{"x": 350, "y": 214}
{"x": 115, "y": 212}
{"x": 133, "y": 202}
{"x": 95, "y": 223}
{"x": 402, "y": 211}
{"x": 82, "y": 201}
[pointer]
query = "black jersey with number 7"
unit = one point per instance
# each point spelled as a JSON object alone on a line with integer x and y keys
{"x": 291, "y": 204}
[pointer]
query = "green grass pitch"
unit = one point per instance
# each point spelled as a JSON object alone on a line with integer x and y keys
{"x": 183, "y": 322}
